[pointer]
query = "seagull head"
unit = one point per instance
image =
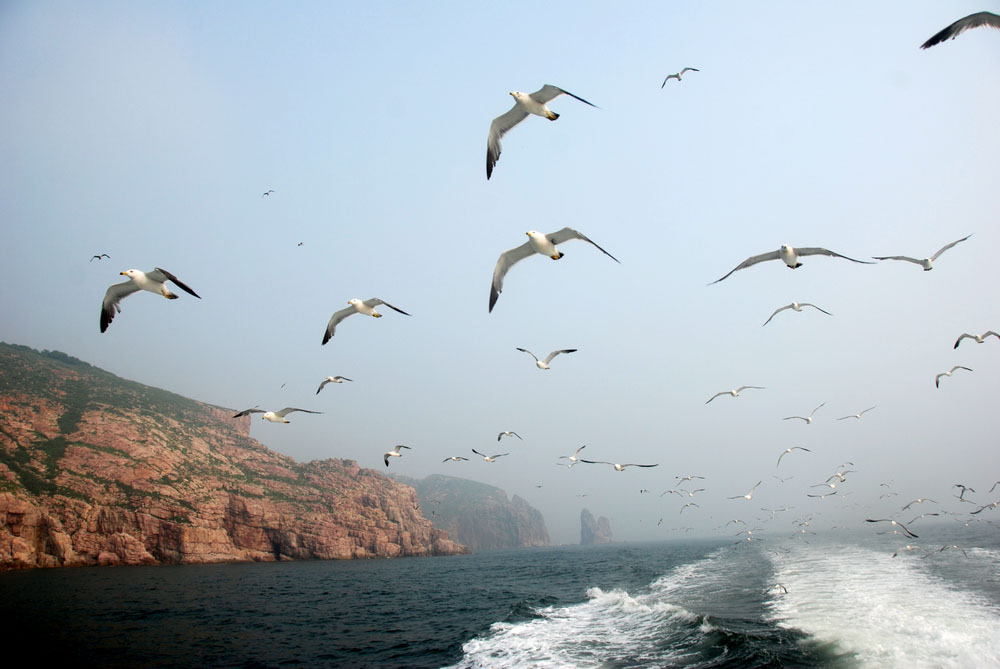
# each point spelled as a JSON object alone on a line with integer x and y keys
{"x": 133, "y": 274}
{"x": 354, "y": 302}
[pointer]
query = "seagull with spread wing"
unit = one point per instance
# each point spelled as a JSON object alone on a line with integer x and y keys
{"x": 797, "y": 306}
{"x": 926, "y": 263}
{"x": 618, "y": 467}
{"x": 979, "y": 339}
{"x": 544, "y": 364}
{"x": 366, "y": 307}
{"x": 678, "y": 75}
{"x": 274, "y": 416}
{"x": 154, "y": 282}
{"x": 735, "y": 393}
{"x": 976, "y": 20}
{"x": 332, "y": 379}
{"x": 790, "y": 256}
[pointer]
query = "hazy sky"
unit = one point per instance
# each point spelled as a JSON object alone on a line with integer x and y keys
{"x": 148, "y": 131}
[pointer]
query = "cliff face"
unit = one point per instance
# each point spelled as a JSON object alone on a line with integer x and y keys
{"x": 479, "y": 515}
{"x": 95, "y": 469}
{"x": 594, "y": 532}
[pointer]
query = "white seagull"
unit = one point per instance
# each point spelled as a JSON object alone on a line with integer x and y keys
{"x": 454, "y": 458}
{"x": 789, "y": 450}
{"x": 366, "y": 307}
{"x": 274, "y": 416}
{"x": 894, "y": 523}
{"x": 808, "y": 419}
{"x": 678, "y": 75}
{"x": 489, "y": 458}
{"x": 332, "y": 379}
{"x": 507, "y": 433}
{"x": 749, "y": 495}
{"x": 926, "y": 263}
{"x": 544, "y": 364}
{"x": 734, "y": 393}
{"x": 154, "y": 282}
{"x": 524, "y": 104}
{"x": 618, "y": 467}
{"x": 797, "y": 306}
{"x": 537, "y": 243}
{"x": 394, "y": 453}
{"x": 919, "y": 500}
{"x": 790, "y": 256}
{"x": 937, "y": 379}
{"x": 978, "y": 338}
{"x": 573, "y": 459}
{"x": 960, "y": 26}
{"x": 857, "y": 415}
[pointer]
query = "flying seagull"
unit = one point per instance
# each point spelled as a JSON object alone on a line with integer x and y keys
{"x": 266, "y": 193}
{"x": 789, "y": 450}
{"x": 926, "y": 263}
{"x": 734, "y": 393}
{"x": 454, "y": 458}
{"x": 790, "y": 256}
{"x": 979, "y": 338}
{"x": 537, "y": 243}
{"x": 960, "y": 26}
{"x": 618, "y": 467}
{"x": 856, "y": 415}
{"x": 357, "y": 307}
{"x": 489, "y": 458}
{"x": 274, "y": 416}
{"x": 808, "y": 419}
{"x": 154, "y": 282}
{"x": 937, "y": 379}
{"x": 394, "y": 453}
{"x": 544, "y": 364}
{"x": 678, "y": 75}
{"x": 749, "y": 495}
{"x": 98, "y": 257}
{"x": 524, "y": 104}
{"x": 895, "y": 524}
{"x": 332, "y": 379}
{"x": 797, "y": 306}
{"x": 919, "y": 500}
{"x": 572, "y": 458}
{"x": 507, "y": 433}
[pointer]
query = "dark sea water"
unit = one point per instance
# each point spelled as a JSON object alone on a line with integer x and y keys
{"x": 701, "y": 604}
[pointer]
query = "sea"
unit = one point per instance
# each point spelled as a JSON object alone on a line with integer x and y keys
{"x": 838, "y": 599}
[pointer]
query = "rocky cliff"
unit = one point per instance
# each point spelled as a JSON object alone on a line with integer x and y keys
{"x": 479, "y": 515}
{"x": 95, "y": 469}
{"x": 594, "y": 532}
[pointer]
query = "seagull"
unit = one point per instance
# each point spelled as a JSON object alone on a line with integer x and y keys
{"x": 687, "y": 505}
{"x": 357, "y": 307}
{"x": 681, "y": 479}
{"x": 895, "y": 524}
{"x": 926, "y": 263}
{"x": 544, "y": 364}
{"x": 789, "y": 450}
{"x": 618, "y": 467}
{"x": 489, "y": 458}
{"x": 790, "y": 256}
{"x": 454, "y": 458}
{"x": 797, "y": 306}
{"x": 734, "y": 393}
{"x": 266, "y": 193}
{"x": 824, "y": 495}
{"x": 509, "y": 434}
{"x": 993, "y": 486}
{"x": 964, "y": 488}
{"x": 857, "y": 415}
{"x": 394, "y": 453}
{"x": 991, "y": 505}
{"x": 572, "y": 458}
{"x": 98, "y": 257}
{"x": 979, "y": 338}
{"x": 332, "y": 379}
{"x": 937, "y": 379}
{"x": 923, "y": 515}
{"x": 808, "y": 419}
{"x": 274, "y": 416}
{"x": 976, "y": 20}
{"x": 747, "y": 496}
{"x": 524, "y": 104}
{"x": 154, "y": 282}
{"x": 919, "y": 500}
{"x": 678, "y": 75}
{"x": 537, "y": 243}
{"x": 908, "y": 547}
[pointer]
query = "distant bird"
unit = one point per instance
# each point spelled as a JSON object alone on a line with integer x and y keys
{"x": 524, "y": 103}
{"x": 776, "y": 586}
{"x": 894, "y": 523}
{"x": 937, "y": 379}
{"x": 489, "y": 458}
{"x": 274, "y": 416}
{"x": 394, "y": 453}
{"x": 749, "y": 495}
{"x": 856, "y": 415}
{"x": 964, "y": 488}
{"x": 923, "y": 515}
{"x": 687, "y": 505}
{"x": 154, "y": 282}
{"x": 919, "y": 500}
{"x": 789, "y": 450}
{"x": 544, "y": 364}
{"x": 332, "y": 379}
{"x": 618, "y": 467}
{"x": 993, "y": 486}
{"x": 681, "y": 479}
{"x": 908, "y": 548}
{"x": 808, "y": 419}
{"x": 678, "y": 75}
{"x": 960, "y": 26}
{"x": 508, "y": 434}
{"x": 824, "y": 495}
{"x": 951, "y": 547}
{"x": 797, "y": 306}
{"x": 991, "y": 505}
{"x": 789, "y": 256}
{"x": 98, "y": 257}
{"x": 266, "y": 193}
{"x": 573, "y": 459}
{"x": 978, "y": 338}
{"x": 734, "y": 393}
{"x": 366, "y": 307}
{"x": 926, "y": 263}
{"x": 544, "y": 244}
{"x": 454, "y": 458}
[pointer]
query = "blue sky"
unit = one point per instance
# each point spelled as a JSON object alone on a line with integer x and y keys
{"x": 148, "y": 131}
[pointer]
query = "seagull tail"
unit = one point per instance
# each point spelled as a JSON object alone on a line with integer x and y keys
{"x": 170, "y": 296}
{"x": 551, "y": 115}
{"x": 558, "y": 255}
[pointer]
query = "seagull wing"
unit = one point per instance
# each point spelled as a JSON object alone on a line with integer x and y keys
{"x": 960, "y": 367}
{"x": 632, "y": 464}
{"x": 597, "y": 462}
{"x": 750, "y": 262}
{"x": 948, "y": 246}
{"x": 906, "y": 258}
{"x": 335, "y": 319}
{"x": 325, "y": 381}
{"x": 504, "y": 263}
{"x": 690, "y": 69}
{"x": 809, "y": 304}
{"x": 374, "y": 302}
{"x": 669, "y": 77}
{"x": 555, "y": 353}
{"x": 501, "y": 124}
{"x": 287, "y": 410}
{"x": 724, "y": 392}
{"x": 776, "y": 312}
{"x": 162, "y": 275}
{"x": 116, "y": 293}
{"x": 742, "y": 388}
{"x": 499, "y": 455}
{"x": 524, "y": 350}
{"x": 960, "y": 26}
{"x": 548, "y": 92}
{"x": 247, "y": 412}
{"x": 818, "y": 251}
{"x": 566, "y": 234}
{"x": 817, "y": 408}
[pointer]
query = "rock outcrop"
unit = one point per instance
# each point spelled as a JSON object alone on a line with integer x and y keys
{"x": 95, "y": 469}
{"x": 479, "y": 515}
{"x": 594, "y": 532}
